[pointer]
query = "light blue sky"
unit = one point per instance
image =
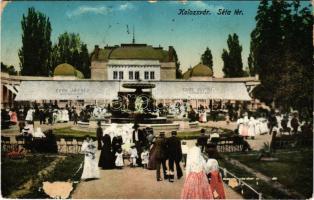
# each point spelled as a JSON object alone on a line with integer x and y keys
{"x": 155, "y": 23}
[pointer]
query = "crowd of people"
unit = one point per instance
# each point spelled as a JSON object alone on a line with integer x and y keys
{"x": 160, "y": 153}
{"x": 282, "y": 124}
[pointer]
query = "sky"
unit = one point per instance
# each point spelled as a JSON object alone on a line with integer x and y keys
{"x": 155, "y": 23}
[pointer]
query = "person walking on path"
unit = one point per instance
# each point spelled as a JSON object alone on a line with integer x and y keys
{"x": 138, "y": 139}
{"x": 160, "y": 155}
{"x": 203, "y": 140}
{"x": 106, "y": 159}
{"x": 75, "y": 117}
{"x": 90, "y": 170}
{"x": 99, "y": 134}
{"x": 175, "y": 155}
{"x": 196, "y": 184}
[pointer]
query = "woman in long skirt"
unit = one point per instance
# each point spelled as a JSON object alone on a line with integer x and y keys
{"x": 106, "y": 160}
{"x": 216, "y": 183}
{"x": 152, "y": 158}
{"x": 196, "y": 184}
{"x": 90, "y": 170}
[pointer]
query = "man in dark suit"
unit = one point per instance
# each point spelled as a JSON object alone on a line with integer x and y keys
{"x": 203, "y": 140}
{"x": 161, "y": 155}
{"x": 175, "y": 155}
{"x": 138, "y": 140}
{"x": 99, "y": 135}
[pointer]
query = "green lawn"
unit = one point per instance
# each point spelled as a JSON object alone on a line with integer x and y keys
{"x": 294, "y": 169}
{"x": 189, "y": 135}
{"x": 68, "y": 132}
{"x": 16, "y": 172}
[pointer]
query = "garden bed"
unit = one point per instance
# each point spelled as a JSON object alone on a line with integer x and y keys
{"x": 67, "y": 170}
{"x": 294, "y": 169}
{"x": 267, "y": 190}
{"x": 17, "y": 172}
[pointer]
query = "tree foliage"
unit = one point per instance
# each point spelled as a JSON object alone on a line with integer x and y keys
{"x": 281, "y": 53}
{"x": 207, "y": 58}
{"x": 233, "y": 66}
{"x": 8, "y": 69}
{"x": 70, "y": 49}
{"x": 35, "y": 52}
{"x": 177, "y": 63}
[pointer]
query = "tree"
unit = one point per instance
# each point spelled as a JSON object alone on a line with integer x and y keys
{"x": 36, "y": 44}
{"x": 70, "y": 49}
{"x": 178, "y": 70}
{"x": 8, "y": 69}
{"x": 281, "y": 53}
{"x": 233, "y": 66}
{"x": 207, "y": 58}
{"x": 85, "y": 61}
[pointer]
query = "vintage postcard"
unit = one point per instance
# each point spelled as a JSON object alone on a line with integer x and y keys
{"x": 157, "y": 99}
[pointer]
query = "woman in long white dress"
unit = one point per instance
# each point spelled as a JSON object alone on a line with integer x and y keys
{"x": 240, "y": 124}
{"x": 251, "y": 127}
{"x": 30, "y": 115}
{"x": 90, "y": 170}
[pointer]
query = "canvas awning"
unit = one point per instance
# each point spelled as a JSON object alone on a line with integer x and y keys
{"x": 108, "y": 90}
{"x": 11, "y": 88}
{"x": 66, "y": 90}
{"x": 201, "y": 90}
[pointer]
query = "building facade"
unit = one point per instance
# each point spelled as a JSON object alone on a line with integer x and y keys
{"x": 130, "y": 62}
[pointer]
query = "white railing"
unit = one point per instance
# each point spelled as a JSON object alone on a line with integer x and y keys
{"x": 227, "y": 174}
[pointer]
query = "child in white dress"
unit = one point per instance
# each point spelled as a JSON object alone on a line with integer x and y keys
{"x": 133, "y": 156}
{"x": 119, "y": 159}
{"x": 144, "y": 157}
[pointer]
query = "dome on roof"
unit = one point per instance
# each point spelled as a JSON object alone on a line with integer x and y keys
{"x": 201, "y": 70}
{"x": 64, "y": 69}
{"x": 187, "y": 74}
{"x": 79, "y": 74}
{"x": 198, "y": 70}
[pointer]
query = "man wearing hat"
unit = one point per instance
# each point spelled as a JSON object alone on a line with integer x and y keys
{"x": 161, "y": 155}
{"x": 175, "y": 155}
{"x": 138, "y": 140}
{"x": 203, "y": 139}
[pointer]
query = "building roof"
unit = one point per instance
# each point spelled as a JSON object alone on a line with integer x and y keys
{"x": 132, "y": 51}
{"x": 198, "y": 70}
{"x": 66, "y": 69}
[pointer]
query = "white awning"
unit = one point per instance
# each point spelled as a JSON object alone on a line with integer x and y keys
{"x": 201, "y": 90}
{"x": 16, "y": 87}
{"x": 11, "y": 88}
{"x": 67, "y": 90}
{"x": 102, "y": 90}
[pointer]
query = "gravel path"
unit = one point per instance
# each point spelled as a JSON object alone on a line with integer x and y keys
{"x": 133, "y": 183}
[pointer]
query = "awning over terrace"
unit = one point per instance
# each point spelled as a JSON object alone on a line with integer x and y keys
{"x": 12, "y": 88}
{"x": 108, "y": 90}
